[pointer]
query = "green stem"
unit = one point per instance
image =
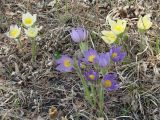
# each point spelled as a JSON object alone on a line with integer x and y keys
{"x": 19, "y": 43}
{"x": 101, "y": 100}
{"x": 101, "y": 92}
{"x": 142, "y": 35}
{"x": 34, "y": 49}
{"x": 84, "y": 83}
{"x": 93, "y": 95}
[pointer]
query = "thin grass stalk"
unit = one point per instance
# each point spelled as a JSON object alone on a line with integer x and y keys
{"x": 157, "y": 45}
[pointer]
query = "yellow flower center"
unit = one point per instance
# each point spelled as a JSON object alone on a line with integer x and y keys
{"x": 107, "y": 83}
{"x": 92, "y": 77}
{"x": 114, "y": 55}
{"x": 28, "y": 21}
{"x": 91, "y": 58}
{"x": 145, "y": 24}
{"x": 67, "y": 63}
{"x": 118, "y": 28}
{"x": 13, "y": 32}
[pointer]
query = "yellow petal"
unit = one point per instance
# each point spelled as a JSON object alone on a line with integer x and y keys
{"x": 28, "y": 19}
{"x": 119, "y": 27}
{"x": 31, "y": 32}
{"x": 108, "y": 40}
{"x": 104, "y": 32}
{"x": 144, "y": 23}
{"x": 14, "y": 31}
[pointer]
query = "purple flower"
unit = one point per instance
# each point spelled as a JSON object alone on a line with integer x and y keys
{"x": 91, "y": 75}
{"x": 110, "y": 81}
{"x": 116, "y": 54}
{"x": 65, "y": 64}
{"x": 90, "y": 56}
{"x": 78, "y": 34}
{"x": 103, "y": 59}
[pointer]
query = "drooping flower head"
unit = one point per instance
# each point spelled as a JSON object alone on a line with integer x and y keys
{"x": 144, "y": 23}
{"x": 78, "y": 34}
{"x": 14, "y": 31}
{"x": 109, "y": 37}
{"x": 103, "y": 59}
{"x": 28, "y": 20}
{"x": 32, "y": 31}
{"x": 91, "y": 75}
{"x": 118, "y": 27}
{"x": 90, "y": 56}
{"x": 110, "y": 81}
{"x": 116, "y": 54}
{"x": 65, "y": 64}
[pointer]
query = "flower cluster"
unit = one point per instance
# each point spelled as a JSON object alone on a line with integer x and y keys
{"x": 92, "y": 57}
{"x": 30, "y": 30}
{"x": 94, "y": 67}
{"x": 117, "y": 28}
{"x": 28, "y": 21}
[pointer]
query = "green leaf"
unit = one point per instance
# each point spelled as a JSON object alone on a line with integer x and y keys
{"x": 83, "y": 46}
{"x": 57, "y": 54}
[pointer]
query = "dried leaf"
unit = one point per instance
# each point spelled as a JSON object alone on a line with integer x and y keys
{"x": 53, "y": 112}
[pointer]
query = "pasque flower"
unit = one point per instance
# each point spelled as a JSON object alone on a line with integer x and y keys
{"x": 31, "y": 31}
{"x": 116, "y": 54}
{"x": 118, "y": 27}
{"x": 14, "y": 31}
{"x": 109, "y": 37}
{"x": 65, "y": 64}
{"x": 103, "y": 59}
{"x": 90, "y": 56}
{"x": 91, "y": 75}
{"x": 110, "y": 81}
{"x": 28, "y": 20}
{"x": 144, "y": 23}
{"x": 78, "y": 34}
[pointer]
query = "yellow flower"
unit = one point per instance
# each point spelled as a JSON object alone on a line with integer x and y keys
{"x": 28, "y": 19}
{"x": 109, "y": 37}
{"x": 118, "y": 26}
{"x": 144, "y": 23}
{"x": 31, "y": 32}
{"x": 14, "y": 31}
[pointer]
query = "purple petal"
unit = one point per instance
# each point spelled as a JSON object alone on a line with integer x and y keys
{"x": 122, "y": 56}
{"x": 82, "y": 33}
{"x": 103, "y": 59}
{"x": 75, "y": 36}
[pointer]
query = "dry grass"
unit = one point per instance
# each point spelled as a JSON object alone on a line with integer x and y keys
{"x": 28, "y": 90}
